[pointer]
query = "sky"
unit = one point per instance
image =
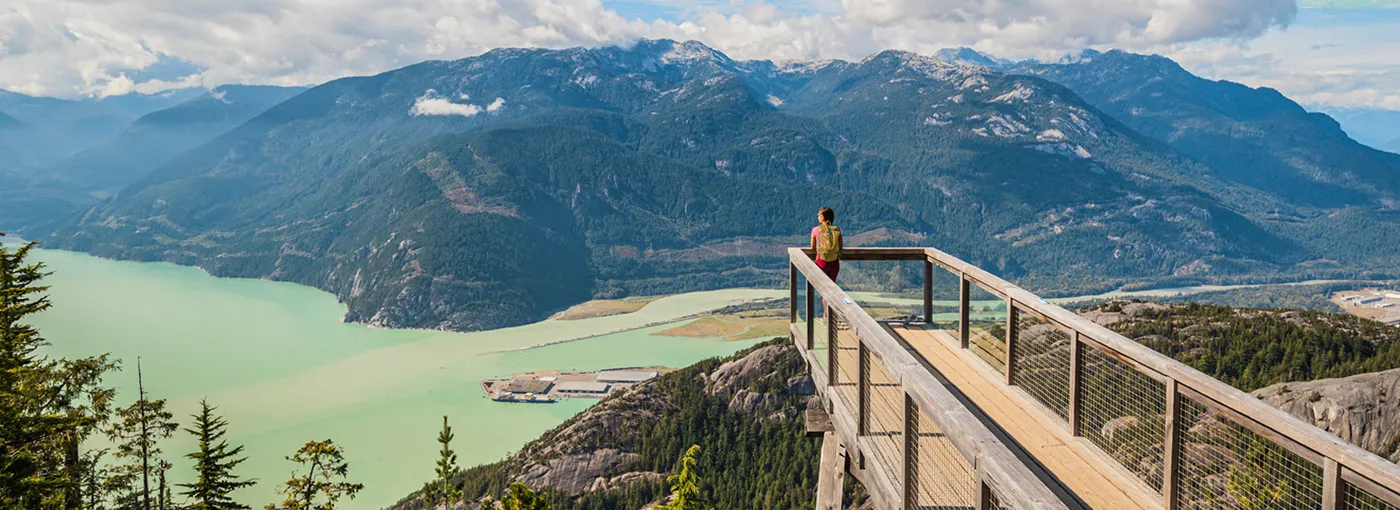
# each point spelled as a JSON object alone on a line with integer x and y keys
{"x": 1335, "y": 53}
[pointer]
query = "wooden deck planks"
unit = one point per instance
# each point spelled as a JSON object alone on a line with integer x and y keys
{"x": 1078, "y": 472}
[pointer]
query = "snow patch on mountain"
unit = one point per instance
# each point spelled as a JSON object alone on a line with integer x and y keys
{"x": 585, "y": 81}
{"x": 1021, "y": 93}
{"x": 1006, "y": 128}
{"x": 1063, "y": 149}
{"x": 975, "y": 81}
{"x": 687, "y": 52}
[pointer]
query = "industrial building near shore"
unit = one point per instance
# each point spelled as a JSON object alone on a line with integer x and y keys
{"x": 548, "y": 385}
{"x": 1380, "y": 305}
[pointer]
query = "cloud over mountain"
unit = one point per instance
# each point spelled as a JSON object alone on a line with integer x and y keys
{"x": 106, "y": 45}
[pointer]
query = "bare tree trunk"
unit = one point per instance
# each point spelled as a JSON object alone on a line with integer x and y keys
{"x": 145, "y": 440}
{"x": 72, "y": 464}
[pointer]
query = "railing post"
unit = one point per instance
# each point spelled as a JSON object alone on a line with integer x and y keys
{"x": 1010, "y": 339}
{"x": 1331, "y": 484}
{"x": 831, "y": 347}
{"x": 928, "y": 292}
{"x": 909, "y": 454}
{"x": 1076, "y": 353}
{"x": 863, "y": 387}
{"x": 984, "y": 491}
{"x": 964, "y": 307}
{"x": 792, "y": 292}
{"x": 811, "y": 312}
{"x": 1171, "y": 445}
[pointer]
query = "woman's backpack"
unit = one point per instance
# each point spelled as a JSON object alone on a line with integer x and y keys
{"x": 828, "y": 243}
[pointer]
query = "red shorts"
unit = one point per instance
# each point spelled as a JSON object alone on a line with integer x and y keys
{"x": 830, "y": 268}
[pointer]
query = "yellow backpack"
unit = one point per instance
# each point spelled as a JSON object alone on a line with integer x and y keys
{"x": 828, "y": 245}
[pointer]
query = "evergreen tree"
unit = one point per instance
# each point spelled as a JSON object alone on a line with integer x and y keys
{"x": 326, "y": 472}
{"x": 214, "y": 462}
{"x": 135, "y": 432}
{"x": 441, "y": 491}
{"x": 519, "y": 497}
{"x": 685, "y": 485}
{"x": 92, "y": 481}
{"x": 47, "y": 406}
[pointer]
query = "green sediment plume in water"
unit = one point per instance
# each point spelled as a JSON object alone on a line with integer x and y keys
{"x": 279, "y": 364}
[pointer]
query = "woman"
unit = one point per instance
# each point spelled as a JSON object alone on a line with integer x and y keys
{"x": 826, "y": 243}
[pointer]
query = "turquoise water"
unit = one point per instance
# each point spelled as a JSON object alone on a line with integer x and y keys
{"x": 279, "y": 364}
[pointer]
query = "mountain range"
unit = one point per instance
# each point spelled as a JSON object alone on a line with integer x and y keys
{"x": 493, "y": 190}
{"x": 63, "y": 156}
{"x": 1379, "y": 128}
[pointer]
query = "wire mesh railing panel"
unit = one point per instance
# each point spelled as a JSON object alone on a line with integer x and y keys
{"x": 940, "y": 478}
{"x": 884, "y": 418}
{"x": 1225, "y": 465}
{"x": 802, "y": 317}
{"x": 987, "y": 326}
{"x": 946, "y": 287}
{"x": 1123, "y": 412}
{"x": 1353, "y": 498}
{"x": 886, "y": 289}
{"x": 1041, "y": 362}
{"x": 994, "y": 499}
{"x": 844, "y": 376}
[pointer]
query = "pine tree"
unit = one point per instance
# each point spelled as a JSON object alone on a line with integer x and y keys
{"x": 441, "y": 491}
{"x": 92, "y": 482}
{"x": 135, "y": 433}
{"x": 685, "y": 485}
{"x": 519, "y": 497}
{"x": 48, "y": 407}
{"x": 325, "y": 464}
{"x": 214, "y": 462}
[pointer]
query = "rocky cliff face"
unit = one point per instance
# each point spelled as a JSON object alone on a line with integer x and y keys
{"x": 611, "y": 448}
{"x": 1362, "y": 409}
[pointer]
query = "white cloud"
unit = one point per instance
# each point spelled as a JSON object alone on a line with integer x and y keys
{"x": 1349, "y": 63}
{"x": 430, "y": 104}
{"x": 303, "y": 42}
{"x": 496, "y": 105}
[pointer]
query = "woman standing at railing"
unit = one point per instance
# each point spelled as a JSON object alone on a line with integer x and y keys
{"x": 826, "y": 243}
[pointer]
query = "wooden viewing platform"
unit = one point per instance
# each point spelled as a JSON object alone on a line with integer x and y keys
{"x": 1027, "y": 405}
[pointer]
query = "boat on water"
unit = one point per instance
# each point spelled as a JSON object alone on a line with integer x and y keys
{"x": 529, "y": 398}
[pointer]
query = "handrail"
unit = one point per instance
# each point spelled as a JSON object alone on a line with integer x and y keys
{"x": 972, "y": 439}
{"x": 1340, "y": 463}
{"x": 1320, "y": 442}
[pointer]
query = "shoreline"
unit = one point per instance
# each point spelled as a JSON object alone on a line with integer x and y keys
{"x": 613, "y": 332}
{"x": 1110, "y": 295}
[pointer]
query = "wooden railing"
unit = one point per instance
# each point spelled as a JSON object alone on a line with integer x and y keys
{"x": 1190, "y": 439}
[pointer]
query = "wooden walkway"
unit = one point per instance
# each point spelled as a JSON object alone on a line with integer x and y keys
{"x": 1065, "y": 460}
